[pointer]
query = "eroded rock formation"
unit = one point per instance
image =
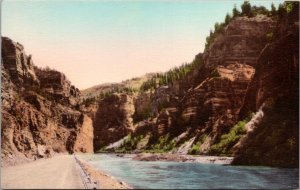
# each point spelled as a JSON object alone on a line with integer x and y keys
{"x": 274, "y": 92}
{"x": 40, "y": 115}
{"x": 113, "y": 119}
{"x": 243, "y": 74}
{"x": 212, "y": 102}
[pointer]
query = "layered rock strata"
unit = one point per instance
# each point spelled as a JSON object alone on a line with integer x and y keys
{"x": 35, "y": 121}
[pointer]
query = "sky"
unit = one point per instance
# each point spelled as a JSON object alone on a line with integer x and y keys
{"x": 96, "y": 42}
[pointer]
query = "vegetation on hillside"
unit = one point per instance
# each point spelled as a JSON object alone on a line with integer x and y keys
{"x": 228, "y": 140}
{"x": 105, "y": 94}
{"x": 179, "y": 73}
{"x": 164, "y": 144}
{"x": 129, "y": 144}
{"x": 169, "y": 77}
{"x": 250, "y": 11}
{"x": 196, "y": 146}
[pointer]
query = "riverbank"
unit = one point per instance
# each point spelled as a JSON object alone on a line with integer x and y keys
{"x": 179, "y": 158}
{"x": 208, "y": 172}
{"x": 106, "y": 181}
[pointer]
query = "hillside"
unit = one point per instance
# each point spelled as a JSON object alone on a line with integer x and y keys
{"x": 207, "y": 106}
{"x": 133, "y": 84}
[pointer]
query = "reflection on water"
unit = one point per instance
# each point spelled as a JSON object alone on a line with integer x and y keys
{"x": 156, "y": 175}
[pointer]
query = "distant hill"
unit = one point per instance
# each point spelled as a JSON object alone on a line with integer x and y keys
{"x": 132, "y": 84}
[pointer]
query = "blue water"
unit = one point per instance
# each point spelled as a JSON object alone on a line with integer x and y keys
{"x": 176, "y": 175}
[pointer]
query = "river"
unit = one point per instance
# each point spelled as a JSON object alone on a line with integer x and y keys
{"x": 179, "y": 175}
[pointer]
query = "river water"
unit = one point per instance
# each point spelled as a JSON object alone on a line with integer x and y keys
{"x": 170, "y": 175}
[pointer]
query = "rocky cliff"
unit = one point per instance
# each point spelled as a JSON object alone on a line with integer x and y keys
{"x": 273, "y": 138}
{"x": 113, "y": 119}
{"x": 40, "y": 115}
{"x": 240, "y": 100}
{"x": 208, "y": 100}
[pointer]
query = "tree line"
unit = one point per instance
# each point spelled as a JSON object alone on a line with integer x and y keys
{"x": 250, "y": 11}
{"x": 169, "y": 77}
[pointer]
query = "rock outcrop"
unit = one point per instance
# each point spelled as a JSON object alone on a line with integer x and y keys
{"x": 35, "y": 121}
{"x": 274, "y": 91}
{"x": 18, "y": 65}
{"x": 241, "y": 41}
{"x": 57, "y": 86}
{"x": 113, "y": 119}
{"x": 217, "y": 88}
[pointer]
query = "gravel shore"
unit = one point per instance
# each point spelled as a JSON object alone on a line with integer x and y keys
{"x": 104, "y": 180}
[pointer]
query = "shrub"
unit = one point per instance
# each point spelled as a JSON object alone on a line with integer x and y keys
{"x": 196, "y": 147}
{"x": 163, "y": 145}
{"x": 229, "y": 140}
{"x": 130, "y": 143}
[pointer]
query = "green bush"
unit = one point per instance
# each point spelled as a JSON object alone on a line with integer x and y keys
{"x": 163, "y": 145}
{"x": 229, "y": 140}
{"x": 196, "y": 147}
{"x": 130, "y": 143}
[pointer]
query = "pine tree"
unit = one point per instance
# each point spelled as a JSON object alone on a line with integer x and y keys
{"x": 281, "y": 10}
{"x": 246, "y": 9}
{"x": 273, "y": 9}
{"x": 235, "y": 12}
{"x": 227, "y": 19}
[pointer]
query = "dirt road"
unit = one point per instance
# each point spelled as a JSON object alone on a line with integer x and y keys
{"x": 54, "y": 173}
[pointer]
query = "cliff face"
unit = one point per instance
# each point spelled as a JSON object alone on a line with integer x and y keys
{"x": 211, "y": 105}
{"x": 207, "y": 101}
{"x": 274, "y": 91}
{"x": 229, "y": 60}
{"x": 241, "y": 101}
{"x": 18, "y": 65}
{"x": 40, "y": 115}
{"x": 56, "y": 84}
{"x": 113, "y": 119}
{"x": 241, "y": 41}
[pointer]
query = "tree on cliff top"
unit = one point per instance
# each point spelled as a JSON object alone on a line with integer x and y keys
{"x": 273, "y": 9}
{"x": 227, "y": 19}
{"x": 235, "y": 12}
{"x": 246, "y": 9}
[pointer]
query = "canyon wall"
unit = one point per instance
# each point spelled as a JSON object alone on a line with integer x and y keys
{"x": 208, "y": 100}
{"x": 241, "y": 100}
{"x": 274, "y": 90}
{"x": 40, "y": 111}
